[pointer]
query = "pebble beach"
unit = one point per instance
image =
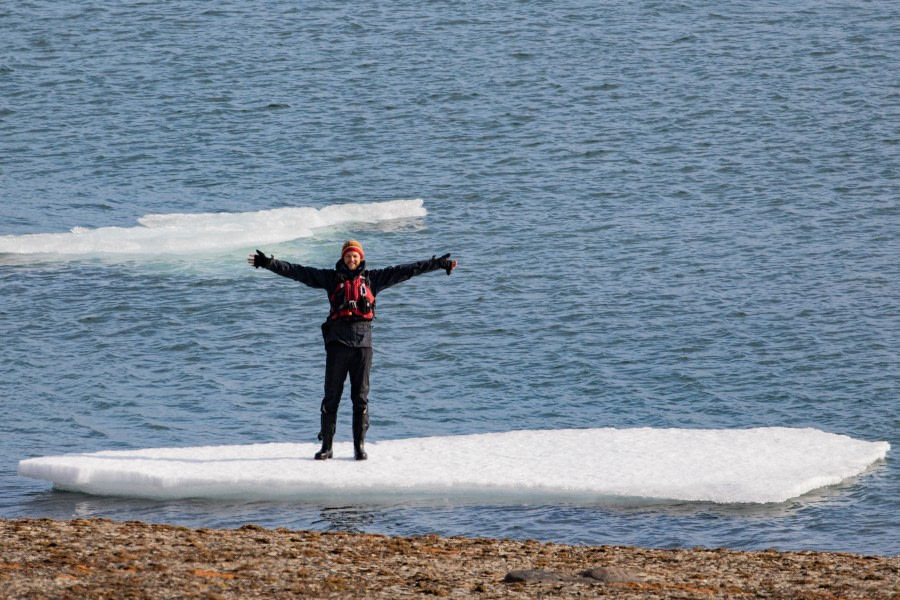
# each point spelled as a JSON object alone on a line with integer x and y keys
{"x": 100, "y": 558}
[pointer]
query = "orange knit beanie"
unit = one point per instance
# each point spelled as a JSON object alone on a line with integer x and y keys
{"x": 352, "y": 246}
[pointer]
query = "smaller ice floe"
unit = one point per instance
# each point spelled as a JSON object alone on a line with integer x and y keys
{"x": 762, "y": 465}
{"x": 208, "y": 232}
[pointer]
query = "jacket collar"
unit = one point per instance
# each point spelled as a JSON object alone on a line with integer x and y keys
{"x": 342, "y": 269}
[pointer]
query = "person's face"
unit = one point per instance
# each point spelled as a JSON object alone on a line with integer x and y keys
{"x": 352, "y": 260}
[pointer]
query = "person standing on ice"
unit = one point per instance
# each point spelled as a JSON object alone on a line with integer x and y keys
{"x": 347, "y": 331}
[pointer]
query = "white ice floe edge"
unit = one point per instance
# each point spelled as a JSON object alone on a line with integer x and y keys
{"x": 762, "y": 465}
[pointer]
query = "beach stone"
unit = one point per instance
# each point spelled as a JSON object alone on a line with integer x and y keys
{"x": 534, "y": 576}
{"x": 611, "y": 575}
{"x": 544, "y": 576}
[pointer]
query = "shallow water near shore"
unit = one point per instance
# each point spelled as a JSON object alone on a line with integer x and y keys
{"x": 665, "y": 216}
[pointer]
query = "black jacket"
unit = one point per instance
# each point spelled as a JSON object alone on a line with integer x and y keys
{"x": 347, "y": 331}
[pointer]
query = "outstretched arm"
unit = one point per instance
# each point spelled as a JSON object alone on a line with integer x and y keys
{"x": 385, "y": 278}
{"x": 317, "y": 278}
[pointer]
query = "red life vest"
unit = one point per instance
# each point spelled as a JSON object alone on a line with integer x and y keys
{"x": 353, "y": 298}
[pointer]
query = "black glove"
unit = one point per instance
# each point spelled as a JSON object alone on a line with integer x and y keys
{"x": 261, "y": 260}
{"x": 445, "y": 263}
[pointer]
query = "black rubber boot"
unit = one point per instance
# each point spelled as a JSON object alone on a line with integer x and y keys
{"x": 360, "y": 426}
{"x": 329, "y": 423}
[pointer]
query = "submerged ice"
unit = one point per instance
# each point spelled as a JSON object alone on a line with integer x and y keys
{"x": 207, "y": 232}
{"x": 761, "y": 465}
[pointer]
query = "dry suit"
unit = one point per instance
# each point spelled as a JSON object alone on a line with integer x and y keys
{"x": 348, "y": 336}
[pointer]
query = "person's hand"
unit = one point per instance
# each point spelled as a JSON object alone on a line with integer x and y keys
{"x": 445, "y": 263}
{"x": 259, "y": 259}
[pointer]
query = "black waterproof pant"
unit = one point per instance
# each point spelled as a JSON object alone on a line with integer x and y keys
{"x": 342, "y": 360}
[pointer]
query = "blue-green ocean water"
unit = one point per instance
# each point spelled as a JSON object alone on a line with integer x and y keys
{"x": 667, "y": 214}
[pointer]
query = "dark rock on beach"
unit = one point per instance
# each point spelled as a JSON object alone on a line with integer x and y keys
{"x": 98, "y": 558}
{"x": 596, "y": 575}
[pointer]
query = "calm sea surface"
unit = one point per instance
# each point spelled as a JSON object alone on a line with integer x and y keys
{"x": 667, "y": 214}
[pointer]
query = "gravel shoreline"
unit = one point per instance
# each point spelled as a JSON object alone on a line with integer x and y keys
{"x": 99, "y": 558}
